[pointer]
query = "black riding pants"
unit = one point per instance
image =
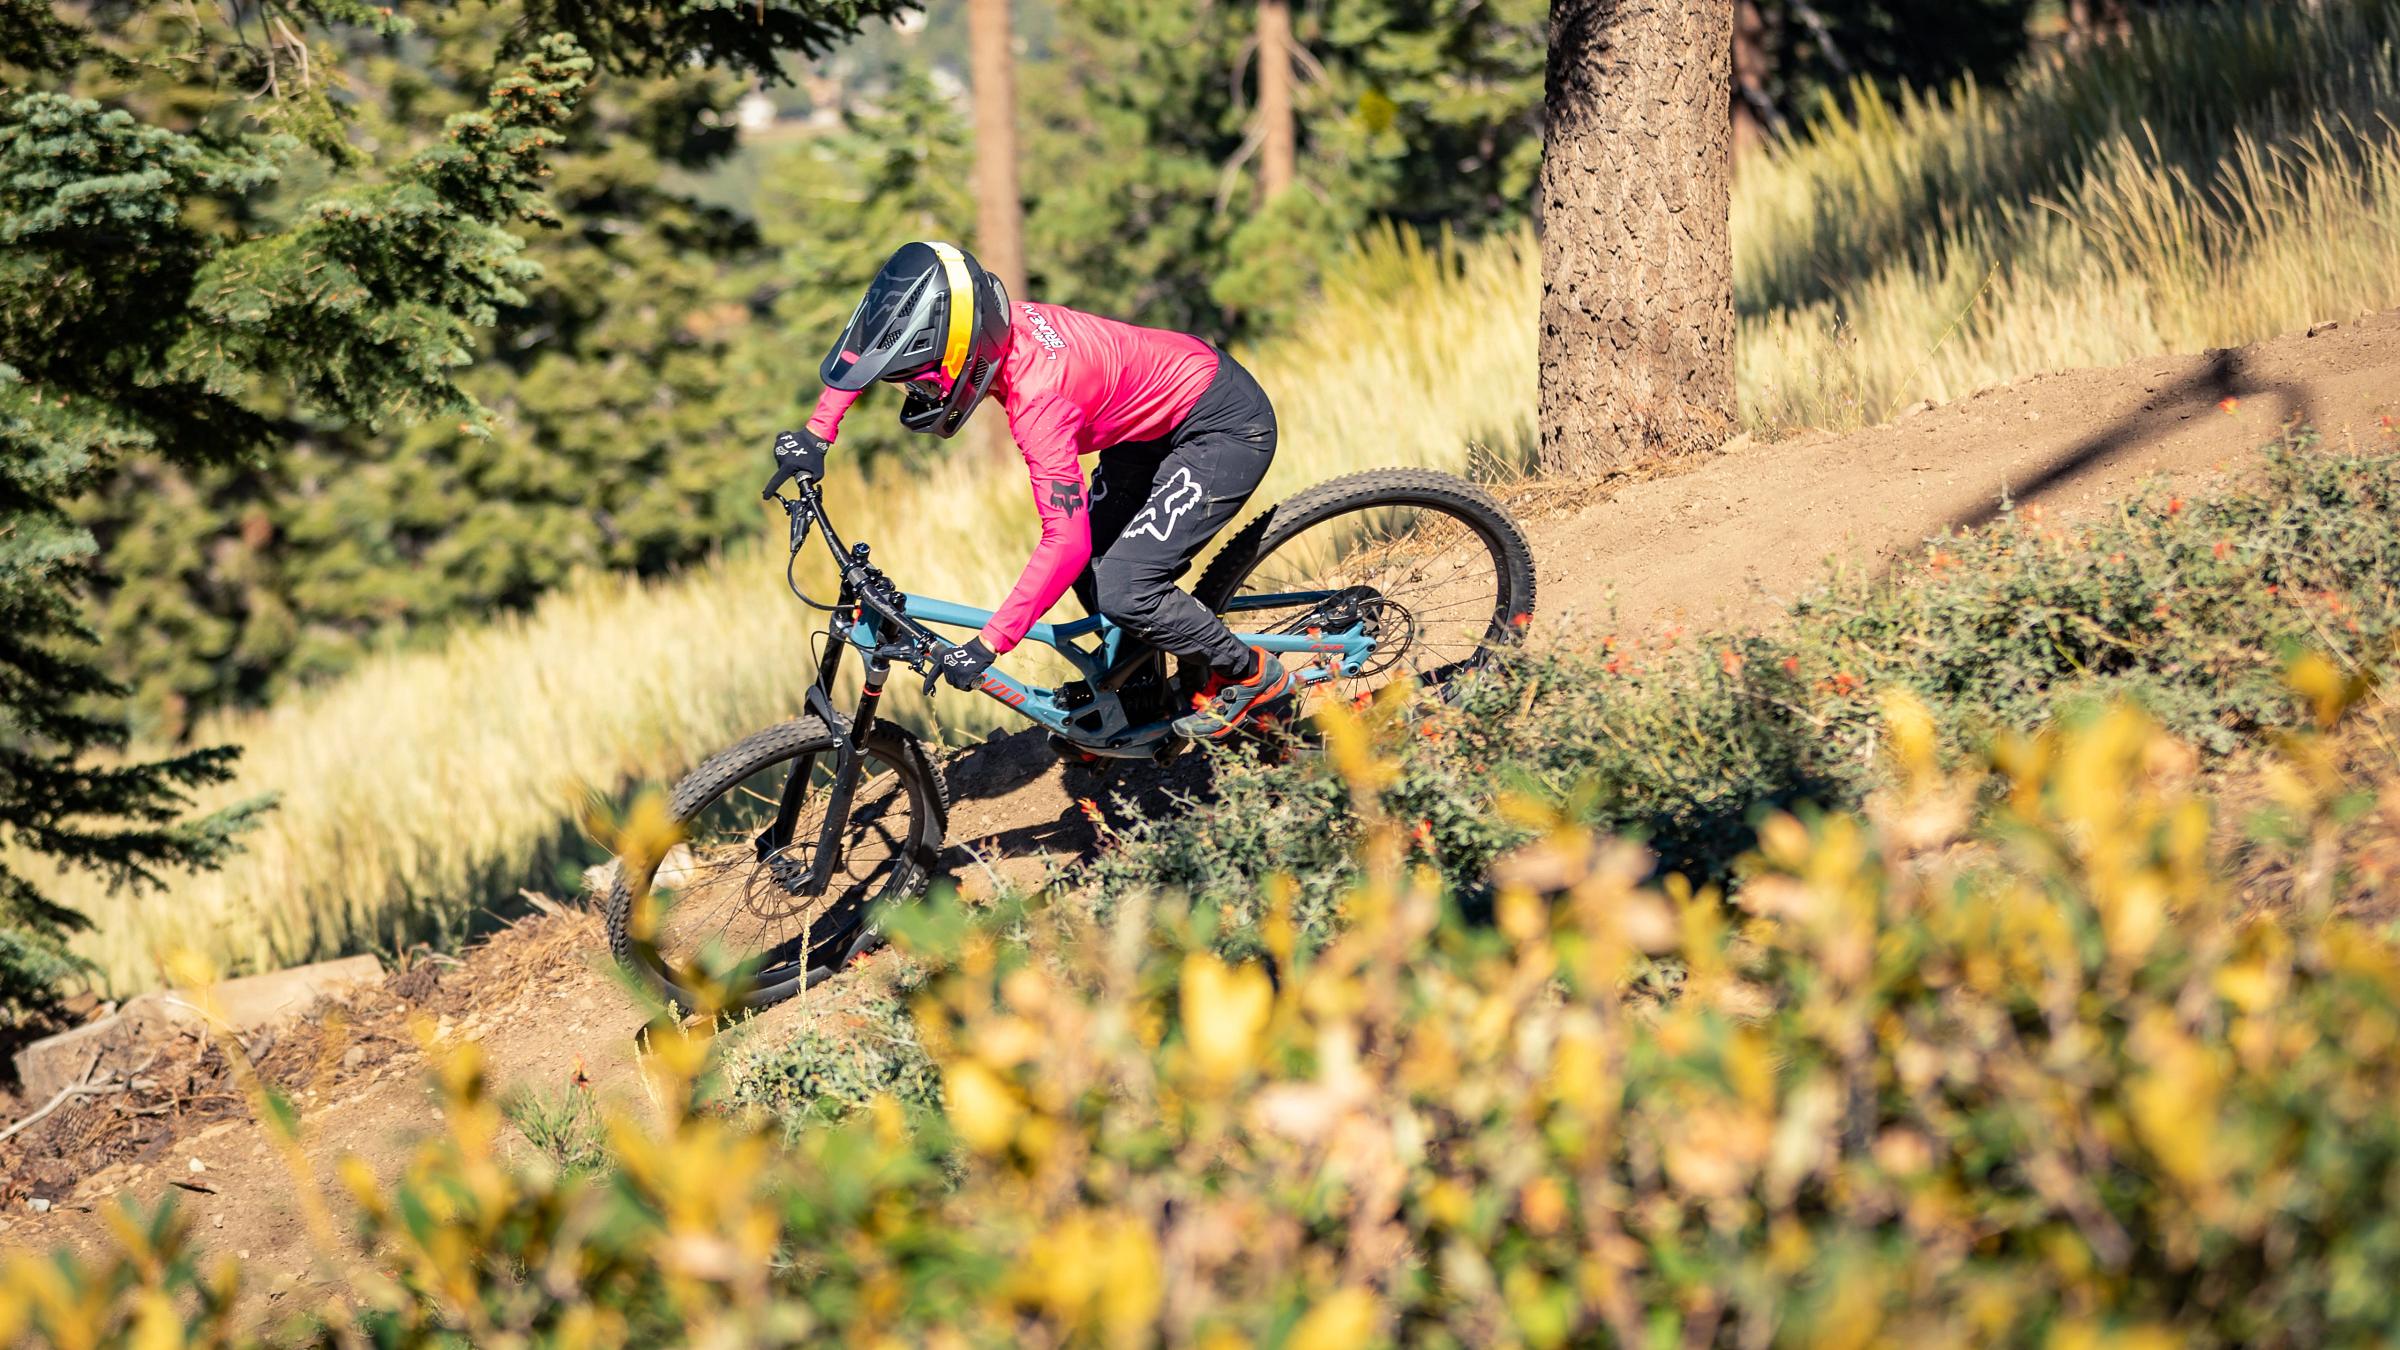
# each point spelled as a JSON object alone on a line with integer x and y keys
{"x": 1156, "y": 504}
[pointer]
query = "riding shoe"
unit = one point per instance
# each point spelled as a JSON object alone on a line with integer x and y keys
{"x": 1221, "y": 708}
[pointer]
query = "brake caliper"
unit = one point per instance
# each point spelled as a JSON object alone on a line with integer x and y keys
{"x": 1355, "y": 607}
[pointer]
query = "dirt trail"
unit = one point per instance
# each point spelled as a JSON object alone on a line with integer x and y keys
{"x": 1737, "y": 536}
{"x": 1730, "y": 538}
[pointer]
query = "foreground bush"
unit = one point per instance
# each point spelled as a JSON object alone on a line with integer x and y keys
{"x": 2190, "y": 609}
{"x": 1999, "y": 1057}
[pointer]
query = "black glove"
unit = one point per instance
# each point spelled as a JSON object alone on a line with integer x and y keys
{"x": 797, "y": 453}
{"x": 963, "y": 666}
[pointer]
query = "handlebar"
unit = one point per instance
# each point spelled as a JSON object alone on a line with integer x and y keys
{"x": 861, "y": 580}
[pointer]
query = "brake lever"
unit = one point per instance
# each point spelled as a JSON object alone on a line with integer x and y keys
{"x": 932, "y": 666}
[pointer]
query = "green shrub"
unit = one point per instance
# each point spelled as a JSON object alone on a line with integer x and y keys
{"x": 2014, "y": 1038}
{"x": 2190, "y": 610}
{"x": 833, "y": 1065}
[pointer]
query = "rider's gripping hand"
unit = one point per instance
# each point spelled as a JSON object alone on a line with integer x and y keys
{"x": 963, "y": 666}
{"x": 797, "y": 454}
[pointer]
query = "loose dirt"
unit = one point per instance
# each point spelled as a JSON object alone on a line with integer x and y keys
{"x": 1729, "y": 538}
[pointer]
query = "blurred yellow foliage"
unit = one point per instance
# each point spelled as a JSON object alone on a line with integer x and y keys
{"x": 1999, "y": 1058}
{"x": 1224, "y": 1010}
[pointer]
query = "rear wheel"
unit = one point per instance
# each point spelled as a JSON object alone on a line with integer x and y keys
{"x": 1431, "y": 563}
{"x": 720, "y": 895}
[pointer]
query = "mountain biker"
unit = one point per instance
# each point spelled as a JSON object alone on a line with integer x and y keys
{"x": 1182, "y": 436}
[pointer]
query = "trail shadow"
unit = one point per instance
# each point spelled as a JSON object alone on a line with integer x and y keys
{"x": 1098, "y": 802}
{"x": 2224, "y": 376}
{"x": 998, "y": 766}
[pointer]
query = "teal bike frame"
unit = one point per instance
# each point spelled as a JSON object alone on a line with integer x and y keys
{"x": 1092, "y": 717}
{"x": 887, "y": 626}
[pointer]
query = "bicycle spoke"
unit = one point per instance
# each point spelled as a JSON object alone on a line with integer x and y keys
{"x": 1434, "y": 591}
{"x": 718, "y": 894}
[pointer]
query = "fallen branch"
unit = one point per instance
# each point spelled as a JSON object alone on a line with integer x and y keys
{"x": 70, "y": 1090}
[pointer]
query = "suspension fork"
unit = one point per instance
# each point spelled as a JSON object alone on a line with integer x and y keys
{"x": 851, "y": 756}
{"x": 777, "y": 836}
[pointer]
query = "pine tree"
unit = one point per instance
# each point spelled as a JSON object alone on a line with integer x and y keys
{"x": 1446, "y": 96}
{"x": 625, "y": 398}
{"x": 1000, "y": 208}
{"x": 126, "y": 327}
{"x": 202, "y": 267}
{"x": 835, "y": 205}
{"x": 1278, "y": 133}
{"x": 999, "y": 198}
{"x": 1146, "y": 189}
{"x": 1128, "y": 153}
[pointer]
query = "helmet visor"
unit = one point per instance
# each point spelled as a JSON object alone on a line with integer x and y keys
{"x": 897, "y": 331}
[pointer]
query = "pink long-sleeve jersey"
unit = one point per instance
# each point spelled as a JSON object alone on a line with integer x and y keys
{"x": 1074, "y": 384}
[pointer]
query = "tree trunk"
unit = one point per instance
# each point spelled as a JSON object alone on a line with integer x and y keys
{"x": 999, "y": 210}
{"x": 2090, "y": 21}
{"x": 1637, "y": 243}
{"x": 1755, "y": 116}
{"x": 1278, "y": 149}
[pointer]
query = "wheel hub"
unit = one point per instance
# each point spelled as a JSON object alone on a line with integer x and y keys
{"x": 789, "y": 872}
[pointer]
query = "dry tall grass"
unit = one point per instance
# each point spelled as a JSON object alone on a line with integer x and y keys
{"x": 2227, "y": 174}
{"x": 2230, "y": 173}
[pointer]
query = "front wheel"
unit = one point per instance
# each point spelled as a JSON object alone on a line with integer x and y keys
{"x": 721, "y": 894}
{"x": 1430, "y": 563}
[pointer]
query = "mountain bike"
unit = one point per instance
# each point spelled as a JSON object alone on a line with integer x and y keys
{"x": 797, "y": 835}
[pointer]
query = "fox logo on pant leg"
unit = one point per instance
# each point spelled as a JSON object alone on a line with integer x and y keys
{"x": 1167, "y": 505}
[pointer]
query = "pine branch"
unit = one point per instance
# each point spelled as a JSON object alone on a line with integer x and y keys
{"x": 369, "y": 305}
